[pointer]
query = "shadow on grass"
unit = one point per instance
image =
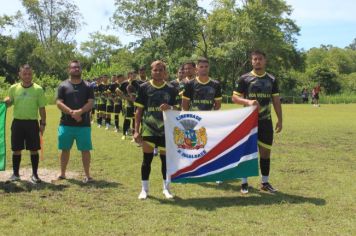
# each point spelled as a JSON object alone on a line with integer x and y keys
{"x": 254, "y": 198}
{"x": 95, "y": 183}
{"x": 26, "y": 186}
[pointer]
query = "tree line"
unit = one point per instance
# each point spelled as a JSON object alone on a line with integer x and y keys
{"x": 174, "y": 31}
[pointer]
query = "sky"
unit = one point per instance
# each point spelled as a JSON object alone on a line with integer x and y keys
{"x": 321, "y": 21}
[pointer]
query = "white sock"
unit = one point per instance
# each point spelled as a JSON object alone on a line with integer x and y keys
{"x": 243, "y": 180}
{"x": 166, "y": 185}
{"x": 264, "y": 179}
{"x": 145, "y": 185}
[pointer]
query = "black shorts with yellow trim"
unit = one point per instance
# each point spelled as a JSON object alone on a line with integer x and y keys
{"x": 155, "y": 141}
{"x": 109, "y": 108}
{"x": 117, "y": 108}
{"x": 265, "y": 133}
{"x": 102, "y": 107}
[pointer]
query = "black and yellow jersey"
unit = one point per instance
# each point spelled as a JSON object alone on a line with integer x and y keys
{"x": 102, "y": 92}
{"x": 179, "y": 86}
{"x": 150, "y": 98}
{"x": 124, "y": 88}
{"x": 202, "y": 96}
{"x": 258, "y": 87}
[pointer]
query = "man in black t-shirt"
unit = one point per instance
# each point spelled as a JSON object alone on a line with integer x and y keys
{"x": 75, "y": 99}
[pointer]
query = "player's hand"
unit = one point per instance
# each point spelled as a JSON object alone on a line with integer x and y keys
{"x": 42, "y": 129}
{"x": 7, "y": 100}
{"x": 278, "y": 126}
{"x": 138, "y": 138}
{"x": 254, "y": 103}
{"x": 165, "y": 107}
{"x": 77, "y": 115}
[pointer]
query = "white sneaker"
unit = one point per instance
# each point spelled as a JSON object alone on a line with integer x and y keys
{"x": 143, "y": 195}
{"x": 167, "y": 194}
{"x": 218, "y": 182}
{"x": 107, "y": 127}
{"x": 14, "y": 178}
{"x": 99, "y": 126}
{"x": 116, "y": 130}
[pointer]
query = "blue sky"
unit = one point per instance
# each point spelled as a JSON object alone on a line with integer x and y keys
{"x": 321, "y": 21}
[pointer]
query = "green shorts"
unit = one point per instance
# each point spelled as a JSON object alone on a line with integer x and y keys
{"x": 81, "y": 135}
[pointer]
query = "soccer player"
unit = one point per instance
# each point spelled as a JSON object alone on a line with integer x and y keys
{"x": 117, "y": 100}
{"x": 28, "y": 99}
{"x": 260, "y": 88}
{"x": 102, "y": 90}
{"x": 178, "y": 84}
{"x": 126, "y": 93}
{"x": 109, "y": 93}
{"x": 189, "y": 70}
{"x": 142, "y": 74}
{"x": 153, "y": 97}
{"x": 75, "y": 99}
{"x": 97, "y": 100}
{"x": 202, "y": 93}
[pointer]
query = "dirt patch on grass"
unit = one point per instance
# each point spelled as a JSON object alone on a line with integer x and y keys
{"x": 46, "y": 175}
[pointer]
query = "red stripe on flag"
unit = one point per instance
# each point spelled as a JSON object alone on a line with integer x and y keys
{"x": 236, "y": 135}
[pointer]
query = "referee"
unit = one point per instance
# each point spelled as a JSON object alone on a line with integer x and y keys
{"x": 28, "y": 99}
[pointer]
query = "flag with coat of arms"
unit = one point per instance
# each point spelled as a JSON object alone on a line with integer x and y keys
{"x": 206, "y": 146}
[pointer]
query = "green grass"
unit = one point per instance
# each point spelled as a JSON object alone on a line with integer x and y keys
{"x": 313, "y": 166}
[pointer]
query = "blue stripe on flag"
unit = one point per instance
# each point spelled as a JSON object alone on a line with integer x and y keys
{"x": 246, "y": 148}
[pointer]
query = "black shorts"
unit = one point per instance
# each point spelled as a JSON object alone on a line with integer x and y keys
{"x": 129, "y": 112}
{"x": 25, "y": 134}
{"x": 102, "y": 107}
{"x": 316, "y": 96}
{"x": 110, "y": 108}
{"x": 155, "y": 141}
{"x": 117, "y": 108}
{"x": 265, "y": 133}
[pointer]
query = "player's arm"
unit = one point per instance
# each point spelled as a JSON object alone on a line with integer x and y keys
{"x": 217, "y": 104}
{"x": 9, "y": 99}
{"x": 42, "y": 111}
{"x": 61, "y": 106}
{"x": 238, "y": 94}
{"x": 278, "y": 109}
{"x": 218, "y": 97}
{"x": 60, "y": 102}
{"x": 186, "y": 97}
{"x": 138, "y": 117}
{"x": 239, "y": 99}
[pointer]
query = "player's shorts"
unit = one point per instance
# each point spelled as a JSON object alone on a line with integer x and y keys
{"x": 102, "y": 107}
{"x": 130, "y": 112}
{"x": 25, "y": 134}
{"x": 81, "y": 135}
{"x": 265, "y": 133}
{"x": 316, "y": 96}
{"x": 155, "y": 141}
{"x": 109, "y": 108}
{"x": 117, "y": 108}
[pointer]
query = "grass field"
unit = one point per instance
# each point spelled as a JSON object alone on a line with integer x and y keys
{"x": 313, "y": 166}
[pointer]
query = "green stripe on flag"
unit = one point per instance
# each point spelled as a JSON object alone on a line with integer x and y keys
{"x": 244, "y": 169}
{"x": 2, "y": 136}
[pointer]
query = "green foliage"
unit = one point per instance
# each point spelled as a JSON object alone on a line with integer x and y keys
{"x": 52, "y": 21}
{"x": 100, "y": 47}
{"x": 326, "y": 77}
